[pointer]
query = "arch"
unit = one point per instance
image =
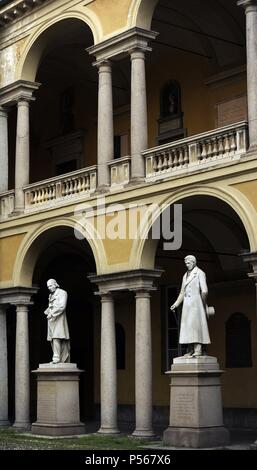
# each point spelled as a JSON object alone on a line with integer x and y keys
{"x": 141, "y": 13}
{"x": 34, "y": 243}
{"x": 144, "y": 249}
{"x": 37, "y": 42}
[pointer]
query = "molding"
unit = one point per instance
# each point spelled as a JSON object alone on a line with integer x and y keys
{"x": 17, "y": 295}
{"x": 15, "y": 10}
{"x": 118, "y": 46}
{"x": 134, "y": 280}
{"x": 247, "y": 3}
{"x": 19, "y": 90}
{"x": 227, "y": 77}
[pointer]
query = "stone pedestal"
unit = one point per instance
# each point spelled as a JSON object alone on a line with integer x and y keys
{"x": 196, "y": 417}
{"x": 58, "y": 400}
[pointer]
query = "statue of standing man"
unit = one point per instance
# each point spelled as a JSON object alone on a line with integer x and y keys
{"x": 58, "y": 331}
{"x": 193, "y": 294}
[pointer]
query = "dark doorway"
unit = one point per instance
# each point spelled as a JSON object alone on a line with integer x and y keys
{"x": 70, "y": 270}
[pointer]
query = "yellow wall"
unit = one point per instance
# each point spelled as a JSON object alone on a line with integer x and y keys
{"x": 8, "y": 251}
{"x": 249, "y": 189}
{"x": 117, "y": 14}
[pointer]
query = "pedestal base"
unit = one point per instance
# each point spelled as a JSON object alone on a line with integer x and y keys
{"x": 196, "y": 438}
{"x": 58, "y": 400}
{"x": 196, "y": 418}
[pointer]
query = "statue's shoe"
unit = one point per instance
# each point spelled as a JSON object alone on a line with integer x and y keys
{"x": 188, "y": 355}
{"x": 196, "y": 354}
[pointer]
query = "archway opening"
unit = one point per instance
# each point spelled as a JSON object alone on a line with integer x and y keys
{"x": 212, "y": 232}
{"x": 61, "y": 256}
{"x": 200, "y": 46}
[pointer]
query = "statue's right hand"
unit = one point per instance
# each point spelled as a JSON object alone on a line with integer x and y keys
{"x": 173, "y": 307}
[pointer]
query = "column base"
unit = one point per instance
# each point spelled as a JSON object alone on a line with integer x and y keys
{"x": 22, "y": 425}
{"x": 135, "y": 181}
{"x": 17, "y": 211}
{"x": 196, "y": 438}
{"x": 58, "y": 429}
{"x": 143, "y": 433}
{"x": 4, "y": 423}
{"x": 104, "y": 188}
{"x": 253, "y": 446}
{"x": 110, "y": 431}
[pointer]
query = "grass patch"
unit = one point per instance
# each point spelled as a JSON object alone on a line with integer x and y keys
{"x": 14, "y": 440}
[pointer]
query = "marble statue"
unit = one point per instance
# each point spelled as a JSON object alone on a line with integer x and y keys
{"x": 58, "y": 331}
{"x": 194, "y": 328}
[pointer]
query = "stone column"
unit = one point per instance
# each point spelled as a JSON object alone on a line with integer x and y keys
{"x": 250, "y": 7}
{"x": 139, "y": 129}
{"x": 22, "y": 153}
{"x": 108, "y": 368}
{"x": 22, "y": 372}
{"x": 143, "y": 365}
{"x": 105, "y": 136}
{"x": 3, "y": 150}
{"x": 3, "y": 370}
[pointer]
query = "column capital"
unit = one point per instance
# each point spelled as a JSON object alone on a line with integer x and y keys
{"x": 248, "y": 5}
{"x": 3, "y": 112}
{"x": 17, "y": 296}
{"x": 17, "y": 91}
{"x": 118, "y": 46}
{"x": 103, "y": 66}
{"x": 137, "y": 53}
{"x": 143, "y": 293}
{"x": 251, "y": 258}
{"x": 134, "y": 280}
{"x": 105, "y": 296}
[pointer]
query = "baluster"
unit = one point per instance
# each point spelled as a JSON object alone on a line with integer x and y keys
{"x": 170, "y": 160}
{"x": 66, "y": 188}
{"x": 155, "y": 166}
{"x": 70, "y": 190}
{"x": 180, "y": 157}
{"x": 75, "y": 186}
{"x": 83, "y": 186}
{"x": 204, "y": 152}
{"x": 209, "y": 149}
{"x": 186, "y": 155}
{"x": 175, "y": 161}
{"x": 79, "y": 185}
{"x": 198, "y": 151}
{"x": 34, "y": 198}
{"x": 233, "y": 147}
{"x": 159, "y": 166}
{"x": 215, "y": 150}
{"x": 221, "y": 147}
{"x": 227, "y": 144}
{"x": 53, "y": 191}
{"x": 46, "y": 194}
{"x": 165, "y": 161}
{"x": 87, "y": 181}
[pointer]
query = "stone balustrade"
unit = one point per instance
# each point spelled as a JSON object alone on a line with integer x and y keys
{"x": 6, "y": 204}
{"x": 226, "y": 143}
{"x": 60, "y": 189}
{"x": 120, "y": 171}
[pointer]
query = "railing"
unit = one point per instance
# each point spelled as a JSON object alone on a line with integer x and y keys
{"x": 62, "y": 188}
{"x": 119, "y": 171}
{"x": 6, "y": 204}
{"x": 225, "y": 143}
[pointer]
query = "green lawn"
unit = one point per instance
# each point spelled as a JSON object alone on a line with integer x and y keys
{"x": 13, "y": 440}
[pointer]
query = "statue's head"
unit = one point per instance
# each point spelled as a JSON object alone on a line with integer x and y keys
{"x": 52, "y": 285}
{"x": 190, "y": 262}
